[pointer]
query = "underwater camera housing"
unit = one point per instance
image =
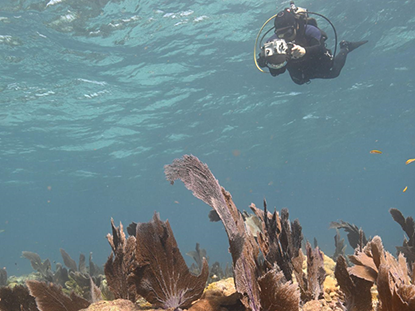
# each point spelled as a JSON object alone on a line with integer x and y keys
{"x": 276, "y": 53}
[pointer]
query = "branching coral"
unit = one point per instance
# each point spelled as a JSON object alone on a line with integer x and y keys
{"x": 258, "y": 288}
{"x": 396, "y": 290}
{"x": 121, "y": 264}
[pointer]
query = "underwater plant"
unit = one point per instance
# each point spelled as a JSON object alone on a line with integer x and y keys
{"x": 340, "y": 247}
{"x": 198, "y": 254}
{"x": 374, "y": 265}
{"x": 50, "y": 297}
{"x": 357, "y": 294}
{"x": 355, "y": 236}
{"x": 271, "y": 271}
{"x": 162, "y": 276}
{"x": 262, "y": 286}
{"x": 244, "y": 250}
{"x": 17, "y": 298}
{"x": 43, "y": 267}
{"x": 3, "y": 277}
{"x": 150, "y": 265}
{"x": 408, "y": 226}
{"x": 121, "y": 263}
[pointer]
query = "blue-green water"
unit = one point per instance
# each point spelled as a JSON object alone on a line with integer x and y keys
{"x": 97, "y": 96}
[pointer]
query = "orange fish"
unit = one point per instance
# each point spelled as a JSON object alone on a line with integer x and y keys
{"x": 404, "y": 189}
{"x": 376, "y": 151}
{"x": 409, "y": 161}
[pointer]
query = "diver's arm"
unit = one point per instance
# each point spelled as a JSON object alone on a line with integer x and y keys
{"x": 315, "y": 48}
{"x": 313, "y": 35}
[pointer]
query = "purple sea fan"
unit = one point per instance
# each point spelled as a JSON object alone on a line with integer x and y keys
{"x": 162, "y": 276}
{"x": 197, "y": 177}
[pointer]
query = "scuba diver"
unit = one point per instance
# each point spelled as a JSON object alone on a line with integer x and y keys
{"x": 298, "y": 46}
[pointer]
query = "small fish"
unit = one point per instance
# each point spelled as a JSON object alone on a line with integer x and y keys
{"x": 376, "y": 151}
{"x": 2, "y": 230}
{"x": 404, "y": 189}
{"x": 409, "y": 161}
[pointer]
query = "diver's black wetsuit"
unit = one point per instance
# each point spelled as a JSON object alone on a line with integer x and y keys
{"x": 317, "y": 61}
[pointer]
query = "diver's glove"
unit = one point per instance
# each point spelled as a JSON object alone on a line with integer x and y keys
{"x": 297, "y": 51}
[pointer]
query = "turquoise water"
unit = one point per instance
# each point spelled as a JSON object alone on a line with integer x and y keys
{"x": 97, "y": 96}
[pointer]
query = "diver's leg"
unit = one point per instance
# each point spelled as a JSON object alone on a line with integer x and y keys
{"x": 340, "y": 59}
{"x": 338, "y": 64}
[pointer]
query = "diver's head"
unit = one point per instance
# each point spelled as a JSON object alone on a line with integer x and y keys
{"x": 275, "y": 53}
{"x": 285, "y": 25}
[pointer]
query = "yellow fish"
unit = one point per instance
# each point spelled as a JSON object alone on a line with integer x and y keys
{"x": 376, "y": 151}
{"x": 2, "y": 230}
{"x": 409, "y": 161}
{"x": 404, "y": 189}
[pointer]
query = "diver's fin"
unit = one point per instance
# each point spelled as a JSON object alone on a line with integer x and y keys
{"x": 350, "y": 46}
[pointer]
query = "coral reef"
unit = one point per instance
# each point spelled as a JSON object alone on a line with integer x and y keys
{"x": 77, "y": 279}
{"x": 273, "y": 269}
{"x": 374, "y": 265}
{"x": 278, "y": 240}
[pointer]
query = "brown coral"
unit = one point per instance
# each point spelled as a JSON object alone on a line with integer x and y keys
{"x": 50, "y": 297}
{"x": 199, "y": 179}
{"x": 121, "y": 263}
{"x": 162, "y": 276}
{"x": 17, "y": 298}
{"x": 356, "y": 290}
{"x": 395, "y": 288}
